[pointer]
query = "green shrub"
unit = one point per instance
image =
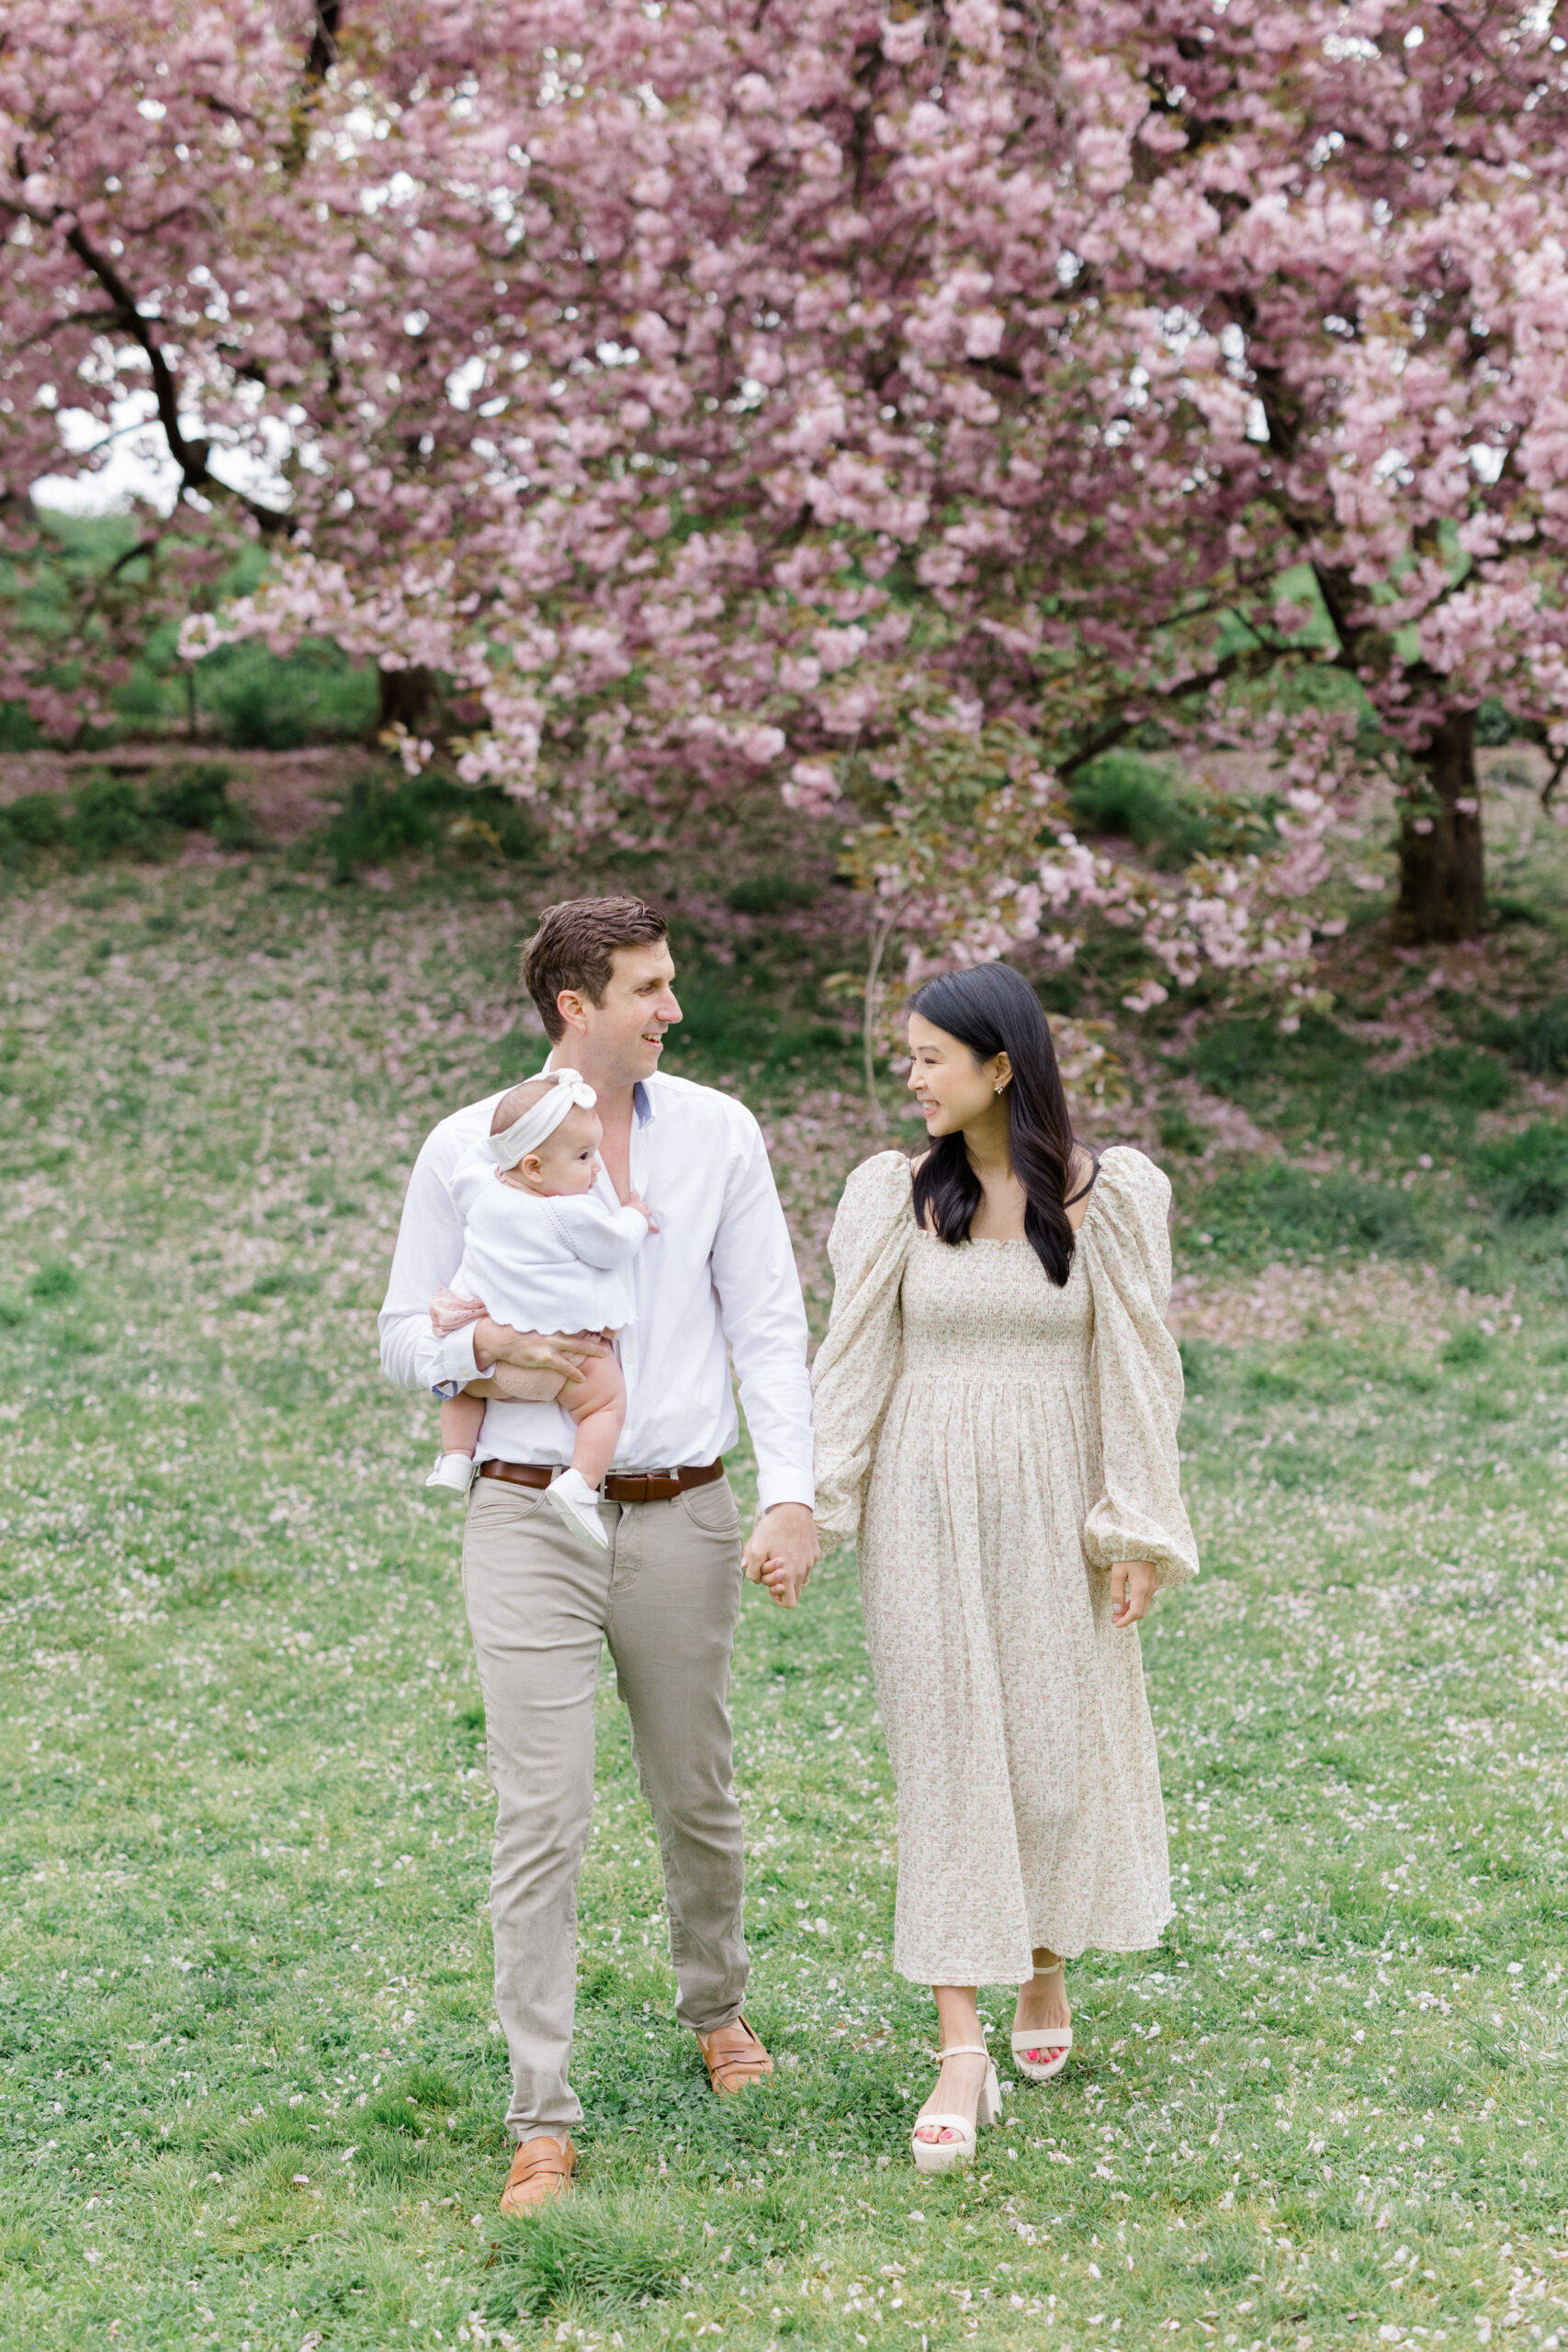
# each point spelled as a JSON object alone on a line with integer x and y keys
{"x": 1272, "y": 1208}
{"x": 196, "y": 798}
{"x": 1177, "y": 1132}
{"x": 254, "y": 719}
{"x": 1126, "y": 793}
{"x": 381, "y": 819}
{"x": 1526, "y": 1175}
{"x": 1493, "y": 723}
{"x": 35, "y": 821}
{"x": 110, "y": 816}
{"x": 724, "y": 1029}
{"x": 1455, "y": 1075}
{"x": 1466, "y": 1350}
{"x": 768, "y": 894}
{"x": 1249, "y": 1055}
{"x": 269, "y": 702}
{"x": 1538, "y": 1041}
{"x": 18, "y": 730}
{"x": 55, "y": 1279}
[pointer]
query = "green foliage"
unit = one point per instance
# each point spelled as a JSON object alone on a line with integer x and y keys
{"x": 112, "y": 816}
{"x": 18, "y": 730}
{"x": 1538, "y": 1041}
{"x": 385, "y": 816}
{"x": 270, "y": 702}
{"x": 1142, "y": 801}
{"x": 1249, "y": 1058}
{"x": 1464, "y": 1080}
{"x": 1257, "y": 1210}
{"x": 1526, "y": 1175}
{"x": 769, "y": 894}
{"x": 55, "y": 1279}
{"x": 1466, "y": 1350}
{"x": 1180, "y": 1132}
{"x": 727, "y": 1028}
{"x": 1493, "y": 724}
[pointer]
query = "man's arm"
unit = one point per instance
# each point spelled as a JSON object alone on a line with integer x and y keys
{"x": 428, "y": 1253}
{"x": 763, "y": 1318}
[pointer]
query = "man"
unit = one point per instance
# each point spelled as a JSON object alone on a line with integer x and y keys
{"x": 716, "y": 1279}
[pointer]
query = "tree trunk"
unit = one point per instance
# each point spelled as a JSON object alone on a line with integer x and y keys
{"x": 407, "y": 698}
{"x": 1442, "y": 893}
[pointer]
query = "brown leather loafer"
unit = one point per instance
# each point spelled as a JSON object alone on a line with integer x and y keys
{"x": 541, "y": 2168}
{"x": 734, "y": 2057}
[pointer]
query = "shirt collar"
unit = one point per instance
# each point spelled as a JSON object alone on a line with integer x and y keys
{"x": 642, "y": 1097}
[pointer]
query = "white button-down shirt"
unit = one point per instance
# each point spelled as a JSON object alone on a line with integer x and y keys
{"x": 718, "y": 1280}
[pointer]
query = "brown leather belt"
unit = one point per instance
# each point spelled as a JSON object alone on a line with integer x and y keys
{"x": 620, "y": 1486}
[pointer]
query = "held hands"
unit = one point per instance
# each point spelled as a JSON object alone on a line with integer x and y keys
{"x": 1132, "y": 1590}
{"x": 783, "y": 1552}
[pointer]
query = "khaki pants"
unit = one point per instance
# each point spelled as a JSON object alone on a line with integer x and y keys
{"x": 666, "y": 1597}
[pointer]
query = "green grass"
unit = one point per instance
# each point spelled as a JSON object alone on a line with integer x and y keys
{"x": 253, "y": 2080}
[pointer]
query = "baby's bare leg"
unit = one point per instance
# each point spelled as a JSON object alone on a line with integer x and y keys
{"x": 597, "y": 1403}
{"x": 460, "y": 1420}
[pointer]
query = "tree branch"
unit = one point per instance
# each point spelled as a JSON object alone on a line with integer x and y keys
{"x": 191, "y": 457}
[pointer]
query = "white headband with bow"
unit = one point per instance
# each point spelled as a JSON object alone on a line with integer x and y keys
{"x": 542, "y": 1118}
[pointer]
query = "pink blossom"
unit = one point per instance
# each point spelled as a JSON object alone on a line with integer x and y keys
{"x": 812, "y": 787}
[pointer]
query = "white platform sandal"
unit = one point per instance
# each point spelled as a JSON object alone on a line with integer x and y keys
{"x": 945, "y": 2156}
{"x": 1028, "y": 2045}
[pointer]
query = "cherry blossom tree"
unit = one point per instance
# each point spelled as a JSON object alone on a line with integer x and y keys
{"x": 903, "y": 406}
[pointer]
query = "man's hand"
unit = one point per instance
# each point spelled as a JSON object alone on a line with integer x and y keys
{"x": 1132, "y": 1590}
{"x": 497, "y": 1345}
{"x": 783, "y": 1552}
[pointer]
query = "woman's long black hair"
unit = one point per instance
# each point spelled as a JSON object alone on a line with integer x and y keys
{"x": 993, "y": 1010}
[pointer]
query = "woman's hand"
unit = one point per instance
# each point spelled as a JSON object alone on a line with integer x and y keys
{"x": 1132, "y": 1590}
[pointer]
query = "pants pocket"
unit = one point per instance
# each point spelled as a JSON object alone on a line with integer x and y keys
{"x": 713, "y": 1509}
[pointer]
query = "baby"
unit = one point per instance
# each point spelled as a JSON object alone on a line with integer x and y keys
{"x": 541, "y": 1252}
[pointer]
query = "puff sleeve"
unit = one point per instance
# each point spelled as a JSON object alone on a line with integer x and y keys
{"x": 858, "y": 1362}
{"x": 1136, "y": 1372}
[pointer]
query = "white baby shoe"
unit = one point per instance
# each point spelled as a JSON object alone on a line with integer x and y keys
{"x": 579, "y": 1506}
{"x": 453, "y": 1471}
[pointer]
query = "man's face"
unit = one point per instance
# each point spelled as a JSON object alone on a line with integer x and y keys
{"x": 623, "y": 1038}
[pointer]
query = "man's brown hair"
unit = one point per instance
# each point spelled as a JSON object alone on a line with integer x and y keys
{"x": 574, "y": 947}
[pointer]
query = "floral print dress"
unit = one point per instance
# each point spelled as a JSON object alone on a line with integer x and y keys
{"x": 998, "y": 1443}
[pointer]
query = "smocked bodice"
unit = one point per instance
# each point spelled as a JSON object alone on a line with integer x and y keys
{"x": 988, "y": 1310}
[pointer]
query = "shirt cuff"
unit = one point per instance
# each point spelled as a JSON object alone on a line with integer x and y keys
{"x": 785, "y": 1486}
{"x": 453, "y": 1365}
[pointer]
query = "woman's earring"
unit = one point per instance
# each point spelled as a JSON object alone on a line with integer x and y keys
{"x": 999, "y": 1084}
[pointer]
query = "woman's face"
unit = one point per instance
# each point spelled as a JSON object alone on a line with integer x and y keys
{"x": 951, "y": 1087}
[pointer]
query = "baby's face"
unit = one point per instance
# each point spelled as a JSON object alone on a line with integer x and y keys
{"x": 568, "y": 1160}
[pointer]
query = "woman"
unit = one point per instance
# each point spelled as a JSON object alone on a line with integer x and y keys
{"x": 996, "y": 1402}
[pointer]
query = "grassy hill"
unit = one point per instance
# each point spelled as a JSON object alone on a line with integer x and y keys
{"x": 254, "y": 2079}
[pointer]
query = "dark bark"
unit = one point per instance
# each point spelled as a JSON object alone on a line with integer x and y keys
{"x": 1441, "y": 877}
{"x": 323, "y": 40}
{"x": 408, "y": 698}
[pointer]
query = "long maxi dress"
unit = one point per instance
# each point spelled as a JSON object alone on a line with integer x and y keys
{"x": 998, "y": 1443}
